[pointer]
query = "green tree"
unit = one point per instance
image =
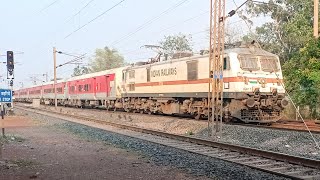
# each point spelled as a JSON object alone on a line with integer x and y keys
{"x": 179, "y": 42}
{"x": 77, "y": 71}
{"x": 106, "y": 58}
{"x": 290, "y": 28}
{"x": 302, "y": 75}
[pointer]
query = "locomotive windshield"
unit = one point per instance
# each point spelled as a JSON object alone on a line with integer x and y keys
{"x": 269, "y": 64}
{"x": 249, "y": 63}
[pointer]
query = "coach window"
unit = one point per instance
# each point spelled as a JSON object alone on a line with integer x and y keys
{"x": 148, "y": 74}
{"x": 226, "y": 63}
{"x": 80, "y": 88}
{"x": 86, "y": 87}
{"x": 192, "y": 68}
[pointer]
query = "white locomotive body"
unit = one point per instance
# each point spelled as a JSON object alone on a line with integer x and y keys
{"x": 252, "y": 81}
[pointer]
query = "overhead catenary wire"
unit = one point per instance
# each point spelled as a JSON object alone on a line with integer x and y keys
{"x": 288, "y": 95}
{"x": 85, "y": 6}
{"x": 148, "y": 22}
{"x": 49, "y": 5}
{"x": 117, "y": 4}
{"x": 187, "y": 20}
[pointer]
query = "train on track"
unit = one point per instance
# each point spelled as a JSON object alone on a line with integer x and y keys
{"x": 252, "y": 86}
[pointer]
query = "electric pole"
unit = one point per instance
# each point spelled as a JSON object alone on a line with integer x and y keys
{"x": 46, "y": 75}
{"x": 217, "y": 23}
{"x": 316, "y": 19}
{"x": 55, "y": 76}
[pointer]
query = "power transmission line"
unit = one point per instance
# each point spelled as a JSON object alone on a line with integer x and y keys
{"x": 69, "y": 19}
{"x": 49, "y": 5}
{"x": 148, "y": 22}
{"x": 177, "y": 24}
{"x": 94, "y": 19}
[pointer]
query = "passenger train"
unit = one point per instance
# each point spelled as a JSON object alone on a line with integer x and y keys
{"x": 252, "y": 87}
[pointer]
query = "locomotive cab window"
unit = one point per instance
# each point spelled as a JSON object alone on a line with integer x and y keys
{"x": 192, "y": 68}
{"x": 226, "y": 63}
{"x": 269, "y": 64}
{"x": 249, "y": 63}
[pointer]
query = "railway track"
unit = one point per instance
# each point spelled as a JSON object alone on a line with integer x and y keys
{"x": 281, "y": 125}
{"x": 286, "y": 126}
{"x": 276, "y": 163}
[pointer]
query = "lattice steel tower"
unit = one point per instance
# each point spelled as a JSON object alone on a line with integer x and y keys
{"x": 217, "y": 23}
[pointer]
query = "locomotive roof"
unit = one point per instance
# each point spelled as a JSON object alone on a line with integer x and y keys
{"x": 238, "y": 50}
{"x": 255, "y": 51}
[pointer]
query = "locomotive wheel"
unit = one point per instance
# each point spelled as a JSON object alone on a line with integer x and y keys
{"x": 198, "y": 117}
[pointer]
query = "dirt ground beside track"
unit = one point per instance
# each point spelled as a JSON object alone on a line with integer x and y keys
{"x": 40, "y": 151}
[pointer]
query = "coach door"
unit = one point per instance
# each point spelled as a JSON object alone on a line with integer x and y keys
{"x": 94, "y": 85}
{"x": 107, "y": 86}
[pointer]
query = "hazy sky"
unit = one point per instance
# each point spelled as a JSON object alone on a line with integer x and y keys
{"x": 34, "y": 27}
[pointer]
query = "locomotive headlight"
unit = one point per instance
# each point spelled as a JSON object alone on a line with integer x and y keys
{"x": 250, "y": 102}
{"x": 278, "y": 82}
{"x": 274, "y": 92}
{"x": 259, "y": 81}
{"x": 284, "y": 102}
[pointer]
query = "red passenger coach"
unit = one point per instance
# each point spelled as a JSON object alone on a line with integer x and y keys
{"x": 89, "y": 90}
{"x": 48, "y": 92}
{"x": 103, "y": 85}
{"x": 35, "y": 92}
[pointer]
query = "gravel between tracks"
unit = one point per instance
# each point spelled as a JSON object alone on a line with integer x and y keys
{"x": 288, "y": 142}
{"x": 162, "y": 155}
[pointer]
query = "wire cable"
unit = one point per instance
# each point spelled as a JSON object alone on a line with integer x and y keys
{"x": 177, "y": 24}
{"x": 148, "y": 22}
{"x": 49, "y": 5}
{"x": 94, "y": 18}
{"x": 69, "y": 19}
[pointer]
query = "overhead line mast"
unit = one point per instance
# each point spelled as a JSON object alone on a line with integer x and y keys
{"x": 217, "y": 17}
